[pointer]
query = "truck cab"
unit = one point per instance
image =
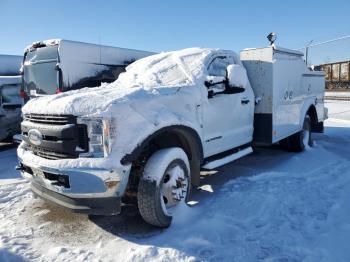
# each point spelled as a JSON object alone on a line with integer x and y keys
{"x": 144, "y": 138}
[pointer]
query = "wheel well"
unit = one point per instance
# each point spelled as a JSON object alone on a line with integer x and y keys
{"x": 313, "y": 116}
{"x": 175, "y": 136}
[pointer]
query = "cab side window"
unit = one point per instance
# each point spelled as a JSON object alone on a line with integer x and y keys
{"x": 217, "y": 71}
{"x": 218, "y": 66}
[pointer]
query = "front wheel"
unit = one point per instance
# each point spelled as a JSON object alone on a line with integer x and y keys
{"x": 164, "y": 185}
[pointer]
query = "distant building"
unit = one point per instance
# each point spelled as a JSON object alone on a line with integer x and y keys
{"x": 337, "y": 75}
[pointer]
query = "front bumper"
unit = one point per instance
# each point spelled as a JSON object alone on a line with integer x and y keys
{"x": 95, "y": 206}
{"x": 85, "y": 190}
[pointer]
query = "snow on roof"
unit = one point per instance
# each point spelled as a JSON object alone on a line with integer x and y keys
{"x": 166, "y": 69}
{"x": 44, "y": 42}
{"x": 51, "y": 42}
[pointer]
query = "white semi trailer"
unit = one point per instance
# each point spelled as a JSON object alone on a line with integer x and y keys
{"x": 144, "y": 138}
{"x": 59, "y": 65}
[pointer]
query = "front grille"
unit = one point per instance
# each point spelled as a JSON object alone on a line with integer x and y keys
{"x": 48, "y": 154}
{"x": 62, "y": 137}
{"x": 50, "y": 119}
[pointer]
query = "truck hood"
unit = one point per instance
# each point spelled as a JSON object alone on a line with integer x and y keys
{"x": 92, "y": 101}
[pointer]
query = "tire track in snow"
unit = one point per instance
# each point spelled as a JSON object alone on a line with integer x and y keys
{"x": 270, "y": 216}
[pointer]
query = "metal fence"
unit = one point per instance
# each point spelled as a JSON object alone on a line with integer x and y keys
{"x": 337, "y": 75}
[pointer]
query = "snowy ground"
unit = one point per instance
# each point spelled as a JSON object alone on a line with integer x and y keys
{"x": 339, "y": 110}
{"x": 338, "y": 93}
{"x": 271, "y": 206}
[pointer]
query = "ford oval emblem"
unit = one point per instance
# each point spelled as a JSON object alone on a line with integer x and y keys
{"x": 35, "y": 137}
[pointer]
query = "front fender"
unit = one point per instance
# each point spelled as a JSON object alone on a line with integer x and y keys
{"x": 169, "y": 136}
{"x": 189, "y": 134}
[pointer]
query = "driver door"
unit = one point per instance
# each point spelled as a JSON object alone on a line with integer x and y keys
{"x": 226, "y": 117}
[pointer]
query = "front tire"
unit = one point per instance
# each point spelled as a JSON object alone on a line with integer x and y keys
{"x": 164, "y": 185}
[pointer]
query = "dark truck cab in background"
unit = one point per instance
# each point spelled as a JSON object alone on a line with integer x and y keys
{"x": 10, "y": 100}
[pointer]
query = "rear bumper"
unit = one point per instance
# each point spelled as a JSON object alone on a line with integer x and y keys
{"x": 95, "y": 206}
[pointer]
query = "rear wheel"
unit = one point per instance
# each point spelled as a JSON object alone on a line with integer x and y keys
{"x": 164, "y": 185}
{"x": 300, "y": 140}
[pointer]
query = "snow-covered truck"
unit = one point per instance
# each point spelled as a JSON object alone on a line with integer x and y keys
{"x": 144, "y": 138}
{"x": 59, "y": 65}
{"x": 10, "y": 100}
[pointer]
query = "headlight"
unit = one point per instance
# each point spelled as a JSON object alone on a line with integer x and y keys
{"x": 101, "y": 132}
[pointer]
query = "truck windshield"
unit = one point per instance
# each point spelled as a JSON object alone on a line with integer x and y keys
{"x": 39, "y": 73}
{"x": 155, "y": 71}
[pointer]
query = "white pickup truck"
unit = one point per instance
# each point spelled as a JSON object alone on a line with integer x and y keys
{"x": 144, "y": 138}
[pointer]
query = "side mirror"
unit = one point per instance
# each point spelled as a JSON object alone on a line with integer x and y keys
{"x": 57, "y": 67}
{"x": 236, "y": 76}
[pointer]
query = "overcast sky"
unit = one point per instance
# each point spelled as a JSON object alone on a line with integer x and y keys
{"x": 169, "y": 25}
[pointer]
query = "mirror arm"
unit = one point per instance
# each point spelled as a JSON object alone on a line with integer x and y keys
{"x": 211, "y": 93}
{"x": 234, "y": 90}
{"x": 210, "y": 84}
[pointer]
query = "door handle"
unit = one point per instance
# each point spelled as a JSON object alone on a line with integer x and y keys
{"x": 244, "y": 101}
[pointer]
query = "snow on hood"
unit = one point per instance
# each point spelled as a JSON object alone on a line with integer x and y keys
{"x": 161, "y": 74}
{"x": 89, "y": 101}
